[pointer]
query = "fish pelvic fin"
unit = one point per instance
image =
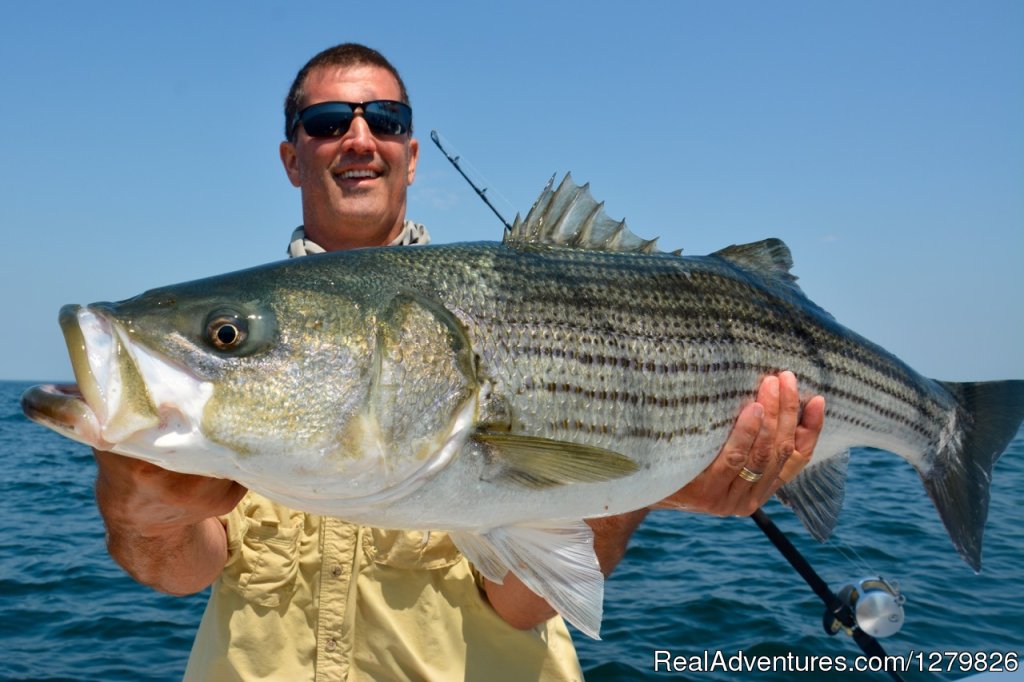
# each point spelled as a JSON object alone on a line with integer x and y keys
{"x": 557, "y": 562}
{"x": 569, "y": 216}
{"x": 816, "y": 495}
{"x": 958, "y": 484}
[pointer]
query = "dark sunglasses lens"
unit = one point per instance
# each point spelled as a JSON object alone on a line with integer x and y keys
{"x": 330, "y": 120}
{"x": 388, "y": 118}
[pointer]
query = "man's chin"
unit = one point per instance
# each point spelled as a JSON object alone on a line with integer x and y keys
{"x": 357, "y": 222}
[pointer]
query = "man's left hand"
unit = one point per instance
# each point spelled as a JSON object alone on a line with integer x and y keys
{"x": 771, "y": 442}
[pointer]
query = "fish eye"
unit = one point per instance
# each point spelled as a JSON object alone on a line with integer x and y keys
{"x": 227, "y": 331}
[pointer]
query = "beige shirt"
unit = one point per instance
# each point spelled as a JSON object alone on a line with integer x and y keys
{"x": 305, "y": 597}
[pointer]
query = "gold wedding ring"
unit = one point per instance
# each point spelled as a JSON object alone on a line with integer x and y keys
{"x": 748, "y": 475}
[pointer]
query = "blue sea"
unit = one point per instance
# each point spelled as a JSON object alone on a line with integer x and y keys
{"x": 688, "y": 585}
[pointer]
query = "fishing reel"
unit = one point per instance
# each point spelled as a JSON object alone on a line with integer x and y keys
{"x": 872, "y": 605}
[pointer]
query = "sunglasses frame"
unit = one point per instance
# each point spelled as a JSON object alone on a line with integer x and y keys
{"x": 399, "y": 112}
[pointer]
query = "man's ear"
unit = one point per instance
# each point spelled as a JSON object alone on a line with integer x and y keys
{"x": 414, "y": 155}
{"x": 290, "y": 160}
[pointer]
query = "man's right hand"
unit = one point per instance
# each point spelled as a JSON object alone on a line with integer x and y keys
{"x": 162, "y": 526}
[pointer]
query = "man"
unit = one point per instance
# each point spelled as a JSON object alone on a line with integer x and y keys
{"x": 303, "y": 597}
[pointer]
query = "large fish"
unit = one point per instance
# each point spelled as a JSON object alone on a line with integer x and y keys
{"x": 503, "y": 392}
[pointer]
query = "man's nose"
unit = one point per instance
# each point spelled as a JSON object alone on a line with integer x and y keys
{"x": 358, "y": 138}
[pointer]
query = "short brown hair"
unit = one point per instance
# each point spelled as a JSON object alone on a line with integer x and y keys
{"x": 346, "y": 54}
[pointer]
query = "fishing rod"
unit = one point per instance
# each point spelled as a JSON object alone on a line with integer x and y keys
{"x": 482, "y": 193}
{"x": 871, "y": 608}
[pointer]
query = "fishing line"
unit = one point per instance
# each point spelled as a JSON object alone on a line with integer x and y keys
{"x": 856, "y": 561}
{"x": 481, "y": 192}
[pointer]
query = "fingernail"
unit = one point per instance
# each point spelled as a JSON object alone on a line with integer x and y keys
{"x": 758, "y": 410}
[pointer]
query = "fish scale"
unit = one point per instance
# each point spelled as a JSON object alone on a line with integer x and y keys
{"x": 504, "y": 392}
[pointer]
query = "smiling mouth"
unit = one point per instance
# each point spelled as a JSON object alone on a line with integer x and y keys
{"x": 360, "y": 174}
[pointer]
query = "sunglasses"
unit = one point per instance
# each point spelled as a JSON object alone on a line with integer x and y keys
{"x": 332, "y": 119}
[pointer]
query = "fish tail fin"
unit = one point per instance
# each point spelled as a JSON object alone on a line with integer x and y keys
{"x": 991, "y": 413}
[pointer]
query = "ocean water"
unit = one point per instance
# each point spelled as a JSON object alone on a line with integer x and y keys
{"x": 689, "y": 584}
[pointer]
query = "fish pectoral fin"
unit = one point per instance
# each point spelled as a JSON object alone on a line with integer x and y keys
{"x": 816, "y": 495}
{"x": 544, "y": 463}
{"x": 557, "y": 562}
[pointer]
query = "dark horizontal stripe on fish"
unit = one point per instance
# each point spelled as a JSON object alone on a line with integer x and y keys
{"x": 579, "y": 426}
{"x": 682, "y": 322}
{"x": 641, "y": 399}
{"x": 571, "y": 333}
{"x": 636, "y": 364}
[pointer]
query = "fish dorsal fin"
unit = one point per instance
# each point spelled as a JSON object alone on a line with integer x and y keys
{"x": 770, "y": 260}
{"x": 569, "y": 216}
{"x": 768, "y": 257}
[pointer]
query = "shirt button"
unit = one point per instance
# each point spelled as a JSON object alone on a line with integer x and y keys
{"x": 336, "y": 571}
{"x": 331, "y": 644}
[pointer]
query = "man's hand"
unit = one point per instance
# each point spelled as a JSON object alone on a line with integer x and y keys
{"x": 770, "y": 438}
{"x": 162, "y": 526}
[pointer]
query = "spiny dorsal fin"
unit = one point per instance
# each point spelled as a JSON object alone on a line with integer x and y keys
{"x": 768, "y": 257}
{"x": 569, "y": 216}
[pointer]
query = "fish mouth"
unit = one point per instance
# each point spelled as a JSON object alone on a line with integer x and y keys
{"x": 62, "y": 408}
{"x": 110, "y": 402}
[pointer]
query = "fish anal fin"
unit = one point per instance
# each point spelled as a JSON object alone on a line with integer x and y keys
{"x": 482, "y": 555}
{"x": 543, "y": 463}
{"x": 816, "y": 495}
{"x": 556, "y": 562}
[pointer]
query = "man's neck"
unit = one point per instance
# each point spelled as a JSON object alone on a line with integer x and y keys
{"x": 340, "y": 240}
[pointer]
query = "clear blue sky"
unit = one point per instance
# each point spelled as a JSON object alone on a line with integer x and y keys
{"x": 883, "y": 141}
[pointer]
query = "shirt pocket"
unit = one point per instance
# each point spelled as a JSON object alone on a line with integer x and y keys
{"x": 407, "y": 549}
{"x": 266, "y": 567}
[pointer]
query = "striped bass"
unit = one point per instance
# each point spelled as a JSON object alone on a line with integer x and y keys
{"x": 504, "y": 392}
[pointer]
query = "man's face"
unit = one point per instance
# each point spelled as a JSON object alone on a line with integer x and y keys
{"x": 353, "y": 186}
